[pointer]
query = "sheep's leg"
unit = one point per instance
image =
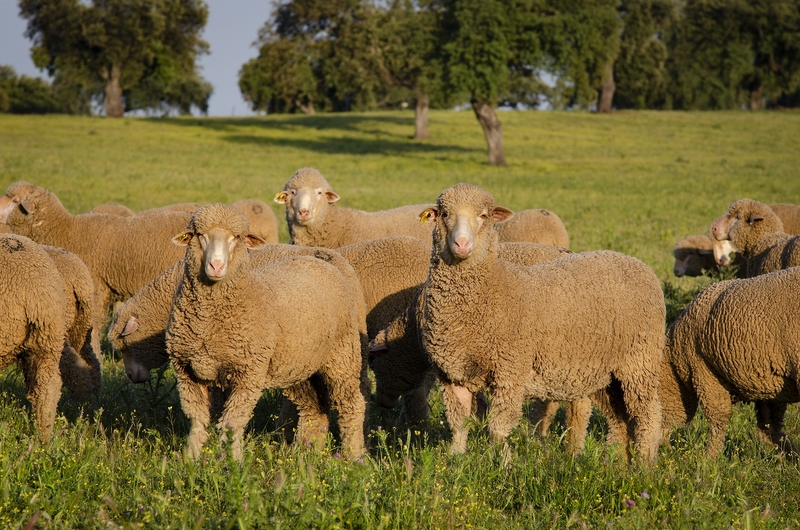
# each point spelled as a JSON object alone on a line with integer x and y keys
{"x": 716, "y": 403}
{"x": 769, "y": 416}
{"x": 43, "y": 386}
{"x": 457, "y": 408}
{"x": 312, "y": 422}
{"x": 504, "y": 416}
{"x": 541, "y": 415}
{"x": 238, "y": 410}
{"x": 196, "y": 405}
{"x": 102, "y": 302}
{"x": 578, "y": 414}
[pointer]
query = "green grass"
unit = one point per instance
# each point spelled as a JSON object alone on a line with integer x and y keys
{"x": 633, "y": 182}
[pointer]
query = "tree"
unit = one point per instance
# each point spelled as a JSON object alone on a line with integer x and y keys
{"x": 31, "y": 95}
{"x": 136, "y": 53}
{"x": 478, "y": 52}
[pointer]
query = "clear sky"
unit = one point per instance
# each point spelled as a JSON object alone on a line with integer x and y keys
{"x": 231, "y": 29}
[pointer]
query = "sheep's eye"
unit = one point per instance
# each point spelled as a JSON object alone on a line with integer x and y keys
{"x": 484, "y": 215}
{"x": 444, "y": 215}
{"x": 17, "y": 200}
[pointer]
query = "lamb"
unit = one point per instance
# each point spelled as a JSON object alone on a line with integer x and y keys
{"x": 33, "y": 324}
{"x": 757, "y": 232}
{"x": 736, "y": 341}
{"x": 315, "y": 220}
{"x": 267, "y": 339}
{"x": 695, "y": 255}
{"x": 789, "y": 215}
{"x": 80, "y": 368}
{"x": 488, "y": 323}
{"x": 122, "y": 253}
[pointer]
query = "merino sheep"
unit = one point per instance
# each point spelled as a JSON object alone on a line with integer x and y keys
{"x": 33, "y": 324}
{"x": 738, "y": 340}
{"x": 488, "y": 323}
{"x": 283, "y": 323}
{"x": 789, "y": 215}
{"x": 113, "y": 209}
{"x": 315, "y": 220}
{"x": 122, "y": 253}
{"x": 534, "y": 226}
{"x": 261, "y": 218}
{"x": 757, "y": 233}
{"x": 80, "y": 368}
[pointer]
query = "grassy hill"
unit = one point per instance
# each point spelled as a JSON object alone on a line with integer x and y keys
{"x": 635, "y": 182}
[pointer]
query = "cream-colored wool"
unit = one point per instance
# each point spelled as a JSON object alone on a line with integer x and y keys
{"x": 280, "y": 327}
{"x": 736, "y": 341}
{"x": 789, "y": 215}
{"x": 534, "y": 226}
{"x": 113, "y": 209}
{"x": 32, "y": 296}
{"x": 561, "y": 330}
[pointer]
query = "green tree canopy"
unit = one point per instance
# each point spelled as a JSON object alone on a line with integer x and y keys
{"x": 136, "y": 53}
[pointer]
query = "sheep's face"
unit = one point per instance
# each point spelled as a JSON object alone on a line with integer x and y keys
{"x": 748, "y": 220}
{"x": 20, "y": 202}
{"x": 305, "y": 204}
{"x": 140, "y": 352}
{"x": 722, "y": 251}
{"x": 461, "y": 214}
{"x": 216, "y": 238}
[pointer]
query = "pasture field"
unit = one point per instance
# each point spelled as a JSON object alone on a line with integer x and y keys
{"x": 634, "y": 182}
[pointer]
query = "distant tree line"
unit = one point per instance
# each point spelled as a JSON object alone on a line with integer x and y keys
{"x": 339, "y": 55}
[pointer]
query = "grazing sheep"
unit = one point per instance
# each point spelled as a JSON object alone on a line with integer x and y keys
{"x": 122, "y": 253}
{"x": 113, "y": 209}
{"x": 315, "y": 220}
{"x": 560, "y": 330}
{"x": 282, "y": 323}
{"x": 534, "y": 226}
{"x": 738, "y": 340}
{"x": 33, "y": 334}
{"x": 757, "y": 233}
{"x": 695, "y": 255}
{"x": 80, "y": 368}
{"x": 789, "y": 215}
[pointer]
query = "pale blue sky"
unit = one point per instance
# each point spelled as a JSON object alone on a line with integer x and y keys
{"x": 231, "y": 29}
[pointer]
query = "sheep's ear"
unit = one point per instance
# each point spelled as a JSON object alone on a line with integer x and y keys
{"x": 253, "y": 241}
{"x": 182, "y": 239}
{"x": 755, "y": 217}
{"x": 428, "y": 215}
{"x": 375, "y": 348}
{"x": 703, "y": 252}
{"x": 130, "y": 326}
{"x": 331, "y": 195}
{"x": 280, "y": 197}
{"x": 28, "y": 207}
{"x": 500, "y": 214}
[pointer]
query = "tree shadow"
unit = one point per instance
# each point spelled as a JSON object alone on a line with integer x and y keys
{"x": 352, "y": 146}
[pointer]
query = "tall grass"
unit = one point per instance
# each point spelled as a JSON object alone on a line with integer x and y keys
{"x": 633, "y": 182}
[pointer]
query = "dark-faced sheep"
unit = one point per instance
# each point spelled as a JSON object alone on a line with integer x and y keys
{"x": 266, "y": 339}
{"x": 488, "y": 323}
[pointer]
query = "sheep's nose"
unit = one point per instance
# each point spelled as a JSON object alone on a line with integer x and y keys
{"x": 216, "y": 267}
{"x": 463, "y": 246}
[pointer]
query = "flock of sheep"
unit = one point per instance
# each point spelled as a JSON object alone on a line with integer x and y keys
{"x": 464, "y": 293}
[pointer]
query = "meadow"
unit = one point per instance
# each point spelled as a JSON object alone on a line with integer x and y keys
{"x": 634, "y": 182}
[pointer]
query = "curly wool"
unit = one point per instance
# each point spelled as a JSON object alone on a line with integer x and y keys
{"x": 789, "y": 215}
{"x": 737, "y": 340}
{"x": 32, "y": 294}
{"x": 487, "y": 323}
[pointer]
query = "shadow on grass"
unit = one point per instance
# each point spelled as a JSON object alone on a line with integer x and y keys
{"x": 376, "y": 141}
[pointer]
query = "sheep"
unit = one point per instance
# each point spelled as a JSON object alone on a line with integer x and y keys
{"x": 122, "y": 253}
{"x": 757, "y": 232}
{"x": 738, "y": 340}
{"x": 695, "y": 255}
{"x": 561, "y": 330}
{"x": 789, "y": 215}
{"x": 33, "y": 335}
{"x": 283, "y": 322}
{"x": 534, "y": 226}
{"x": 80, "y": 368}
{"x": 315, "y": 220}
{"x": 113, "y": 209}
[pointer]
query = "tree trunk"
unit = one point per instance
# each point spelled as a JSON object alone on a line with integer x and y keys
{"x": 307, "y": 108}
{"x": 757, "y": 98}
{"x": 421, "y": 117}
{"x": 607, "y": 92}
{"x": 113, "y": 96}
{"x": 492, "y": 129}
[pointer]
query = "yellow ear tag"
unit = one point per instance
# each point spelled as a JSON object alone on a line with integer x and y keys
{"x": 185, "y": 237}
{"x": 280, "y": 196}
{"x": 424, "y": 217}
